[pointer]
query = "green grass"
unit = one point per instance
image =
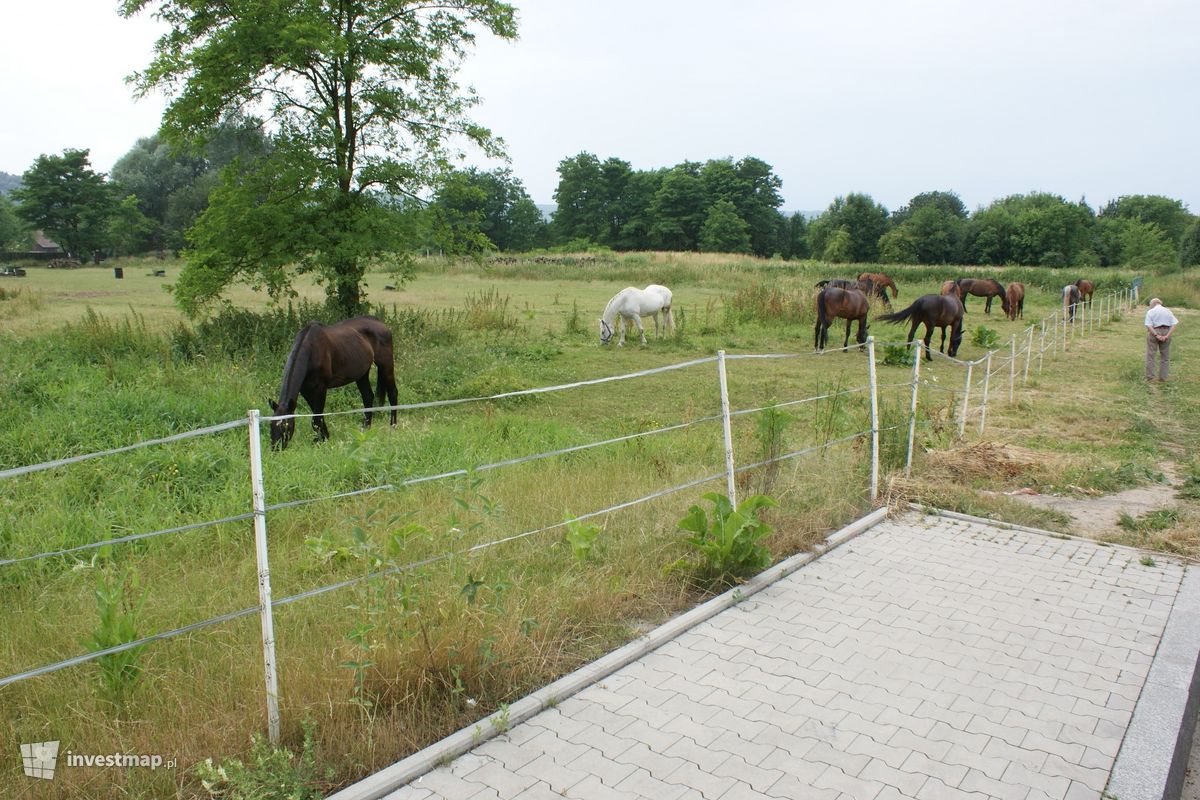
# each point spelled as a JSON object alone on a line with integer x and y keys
{"x": 88, "y": 362}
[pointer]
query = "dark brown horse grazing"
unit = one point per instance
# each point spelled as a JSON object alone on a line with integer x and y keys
{"x": 324, "y": 357}
{"x": 834, "y": 302}
{"x": 936, "y": 311}
{"x": 865, "y": 285}
{"x": 882, "y": 281}
{"x": 983, "y": 287}
{"x": 1071, "y": 299}
{"x": 1016, "y": 300}
{"x": 1086, "y": 289}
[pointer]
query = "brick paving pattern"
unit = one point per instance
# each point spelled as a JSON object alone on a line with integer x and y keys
{"x": 928, "y": 658}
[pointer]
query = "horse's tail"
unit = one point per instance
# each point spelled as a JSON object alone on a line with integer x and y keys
{"x": 822, "y": 320}
{"x": 898, "y": 316}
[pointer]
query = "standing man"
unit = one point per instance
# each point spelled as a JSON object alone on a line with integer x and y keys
{"x": 1160, "y": 324}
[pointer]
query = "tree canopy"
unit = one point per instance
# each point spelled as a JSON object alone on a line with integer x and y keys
{"x": 68, "y": 200}
{"x": 363, "y": 108}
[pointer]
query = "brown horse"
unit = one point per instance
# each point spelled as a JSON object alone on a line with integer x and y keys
{"x": 1071, "y": 299}
{"x": 983, "y": 287}
{"x": 834, "y": 302}
{"x": 951, "y": 288}
{"x": 1016, "y": 301}
{"x": 324, "y": 357}
{"x": 865, "y": 285}
{"x": 1086, "y": 289}
{"x": 881, "y": 280}
{"x": 936, "y": 311}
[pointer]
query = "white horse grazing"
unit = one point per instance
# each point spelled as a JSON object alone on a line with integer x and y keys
{"x": 630, "y": 305}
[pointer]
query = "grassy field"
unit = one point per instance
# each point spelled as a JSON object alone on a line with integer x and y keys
{"x": 89, "y": 362}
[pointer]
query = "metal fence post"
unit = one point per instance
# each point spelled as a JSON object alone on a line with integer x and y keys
{"x": 875, "y": 416}
{"x": 1028, "y": 357}
{"x": 966, "y": 403}
{"x": 730, "y": 476}
{"x": 264, "y": 577}
{"x": 987, "y": 375}
{"x": 1012, "y": 370}
{"x": 1042, "y": 347}
{"x": 912, "y": 411}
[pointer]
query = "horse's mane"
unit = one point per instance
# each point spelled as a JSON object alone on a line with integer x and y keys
{"x": 612, "y": 302}
{"x": 290, "y": 389}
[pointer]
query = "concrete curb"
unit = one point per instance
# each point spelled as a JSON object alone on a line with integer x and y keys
{"x": 403, "y": 772}
{"x": 1154, "y": 754}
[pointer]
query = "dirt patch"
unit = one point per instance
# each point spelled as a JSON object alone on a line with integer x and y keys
{"x": 1098, "y": 517}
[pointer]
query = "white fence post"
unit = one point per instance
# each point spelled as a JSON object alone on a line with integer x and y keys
{"x": 912, "y": 411}
{"x": 875, "y": 416}
{"x": 264, "y": 577}
{"x": 1028, "y": 357}
{"x": 966, "y": 403}
{"x": 730, "y": 476}
{"x": 987, "y": 375}
{"x": 1012, "y": 371}
{"x": 1042, "y": 347}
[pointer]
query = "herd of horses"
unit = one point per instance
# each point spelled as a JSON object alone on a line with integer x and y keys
{"x": 841, "y": 298}
{"x": 324, "y": 357}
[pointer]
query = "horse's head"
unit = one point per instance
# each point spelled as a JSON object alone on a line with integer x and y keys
{"x": 281, "y": 429}
{"x": 861, "y": 336}
{"x": 956, "y": 335}
{"x": 606, "y": 332}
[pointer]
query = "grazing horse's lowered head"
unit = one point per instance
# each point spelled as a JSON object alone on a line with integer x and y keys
{"x": 324, "y": 357}
{"x": 935, "y": 311}
{"x": 630, "y": 305}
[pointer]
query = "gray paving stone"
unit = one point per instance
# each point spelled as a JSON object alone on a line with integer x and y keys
{"x": 929, "y": 659}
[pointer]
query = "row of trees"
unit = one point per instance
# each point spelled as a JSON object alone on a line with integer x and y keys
{"x": 363, "y": 118}
{"x": 733, "y": 207}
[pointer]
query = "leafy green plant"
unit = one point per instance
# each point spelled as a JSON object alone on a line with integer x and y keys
{"x": 985, "y": 338}
{"x": 727, "y": 546}
{"x": 581, "y": 537}
{"x": 898, "y": 355}
{"x": 769, "y": 431}
{"x": 269, "y": 773}
{"x": 118, "y": 605}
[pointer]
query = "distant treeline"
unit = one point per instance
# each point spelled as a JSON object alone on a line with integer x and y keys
{"x": 732, "y": 206}
{"x": 156, "y": 193}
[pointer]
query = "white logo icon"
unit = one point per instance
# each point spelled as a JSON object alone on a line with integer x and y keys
{"x": 39, "y": 759}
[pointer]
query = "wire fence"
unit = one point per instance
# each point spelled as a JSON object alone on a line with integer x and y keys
{"x": 1061, "y": 330}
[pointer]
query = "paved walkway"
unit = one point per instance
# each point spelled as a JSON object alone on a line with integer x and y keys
{"x": 928, "y": 658}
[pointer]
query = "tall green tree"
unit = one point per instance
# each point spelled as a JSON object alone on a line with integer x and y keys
{"x": 582, "y": 200}
{"x": 493, "y": 204}
{"x": 723, "y": 230}
{"x": 68, "y": 200}
{"x": 1171, "y": 216}
{"x": 678, "y": 209}
{"x": 1189, "y": 246}
{"x": 364, "y": 106}
{"x": 862, "y": 219}
{"x": 11, "y": 227}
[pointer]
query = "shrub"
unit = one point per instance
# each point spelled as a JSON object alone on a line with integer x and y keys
{"x": 985, "y": 337}
{"x": 727, "y": 546}
{"x": 270, "y": 773}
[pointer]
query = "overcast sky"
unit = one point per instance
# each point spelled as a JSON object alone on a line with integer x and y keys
{"x": 1090, "y": 99}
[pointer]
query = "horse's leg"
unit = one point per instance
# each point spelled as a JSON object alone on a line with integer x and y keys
{"x": 386, "y": 383}
{"x": 622, "y": 323}
{"x": 928, "y": 339}
{"x": 987, "y": 307}
{"x": 641, "y": 330}
{"x": 846, "y": 343}
{"x": 942, "y": 346}
{"x": 316, "y": 401}
{"x": 368, "y": 398}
